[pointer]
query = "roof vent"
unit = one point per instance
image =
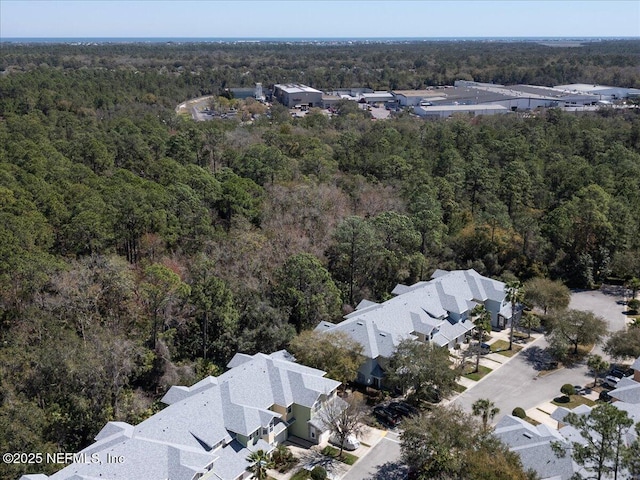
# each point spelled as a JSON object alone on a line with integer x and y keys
{"x": 383, "y": 334}
{"x": 527, "y": 434}
{"x": 359, "y": 323}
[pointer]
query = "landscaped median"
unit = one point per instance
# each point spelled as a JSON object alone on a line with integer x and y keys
{"x": 476, "y": 376}
{"x": 502, "y": 347}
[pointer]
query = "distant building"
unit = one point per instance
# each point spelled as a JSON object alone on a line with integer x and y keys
{"x": 444, "y": 111}
{"x": 603, "y": 92}
{"x": 373, "y": 98}
{"x": 413, "y": 98}
{"x": 296, "y": 94}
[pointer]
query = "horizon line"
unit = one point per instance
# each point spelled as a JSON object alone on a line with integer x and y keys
{"x": 573, "y": 37}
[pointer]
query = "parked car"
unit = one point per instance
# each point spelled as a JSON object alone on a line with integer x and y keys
{"x": 611, "y": 381}
{"x": 402, "y": 409}
{"x": 386, "y": 416}
{"x": 604, "y": 396}
{"x": 350, "y": 443}
{"x": 620, "y": 372}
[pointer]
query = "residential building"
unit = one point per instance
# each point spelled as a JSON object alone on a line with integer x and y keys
{"x": 436, "y": 311}
{"x": 208, "y": 430}
{"x": 534, "y": 446}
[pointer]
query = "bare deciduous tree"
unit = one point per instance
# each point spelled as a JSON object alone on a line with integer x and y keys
{"x": 343, "y": 418}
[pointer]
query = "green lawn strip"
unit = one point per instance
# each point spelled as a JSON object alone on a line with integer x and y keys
{"x": 333, "y": 452}
{"x": 502, "y": 347}
{"x": 575, "y": 400}
{"x": 459, "y": 388}
{"x": 482, "y": 371}
{"x": 301, "y": 474}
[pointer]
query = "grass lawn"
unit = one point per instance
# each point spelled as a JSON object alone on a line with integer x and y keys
{"x": 301, "y": 474}
{"x": 459, "y": 388}
{"x": 501, "y": 347}
{"x": 574, "y": 401}
{"x": 482, "y": 371}
{"x": 333, "y": 452}
{"x": 524, "y": 337}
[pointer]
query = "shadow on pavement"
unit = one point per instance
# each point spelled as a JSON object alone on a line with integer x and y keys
{"x": 391, "y": 471}
{"x": 615, "y": 290}
{"x": 537, "y": 357}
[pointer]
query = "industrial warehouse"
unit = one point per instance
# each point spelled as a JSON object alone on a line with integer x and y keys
{"x": 466, "y": 97}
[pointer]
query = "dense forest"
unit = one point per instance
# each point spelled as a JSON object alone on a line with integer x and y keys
{"x": 140, "y": 249}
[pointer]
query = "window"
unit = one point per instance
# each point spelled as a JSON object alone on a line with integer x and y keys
{"x": 289, "y": 408}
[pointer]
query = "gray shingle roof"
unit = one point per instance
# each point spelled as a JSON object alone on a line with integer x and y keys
{"x": 533, "y": 445}
{"x": 627, "y": 390}
{"x": 421, "y": 308}
{"x": 196, "y": 431}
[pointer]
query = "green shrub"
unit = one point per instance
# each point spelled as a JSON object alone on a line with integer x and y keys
{"x": 519, "y": 412}
{"x": 634, "y": 305}
{"x": 568, "y": 390}
{"x": 318, "y": 473}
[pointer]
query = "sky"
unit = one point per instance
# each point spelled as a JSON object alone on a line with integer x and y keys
{"x": 318, "y": 19}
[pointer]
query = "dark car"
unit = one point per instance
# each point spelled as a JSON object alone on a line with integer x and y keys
{"x": 620, "y": 372}
{"x": 604, "y": 396}
{"x": 386, "y": 416}
{"x": 402, "y": 409}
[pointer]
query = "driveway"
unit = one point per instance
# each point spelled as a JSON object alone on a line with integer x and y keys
{"x": 381, "y": 463}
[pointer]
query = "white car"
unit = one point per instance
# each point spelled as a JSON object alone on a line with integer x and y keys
{"x": 611, "y": 381}
{"x": 350, "y": 443}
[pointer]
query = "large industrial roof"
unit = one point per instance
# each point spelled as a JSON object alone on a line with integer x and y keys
{"x": 296, "y": 88}
{"x": 419, "y": 93}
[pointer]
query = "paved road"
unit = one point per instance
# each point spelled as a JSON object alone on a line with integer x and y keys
{"x": 516, "y": 383}
{"x": 381, "y": 463}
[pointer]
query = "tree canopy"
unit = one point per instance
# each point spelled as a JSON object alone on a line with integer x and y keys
{"x": 447, "y": 443}
{"x": 422, "y": 369}
{"x": 140, "y": 249}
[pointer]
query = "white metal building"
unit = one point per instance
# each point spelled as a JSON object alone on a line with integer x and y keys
{"x": 444, "y": 111}
{"x": 603, "y": 92}
{"x": 296, "y": 94}
{"x": 412, "y": 98}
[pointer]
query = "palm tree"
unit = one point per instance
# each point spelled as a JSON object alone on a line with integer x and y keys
{"x": 485, "y": 409}
{"x": 515, "y": 295}
{"x": 597, "y": 365}
{"x": 482, "y": 320}
{"x": 260, "y": 463}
